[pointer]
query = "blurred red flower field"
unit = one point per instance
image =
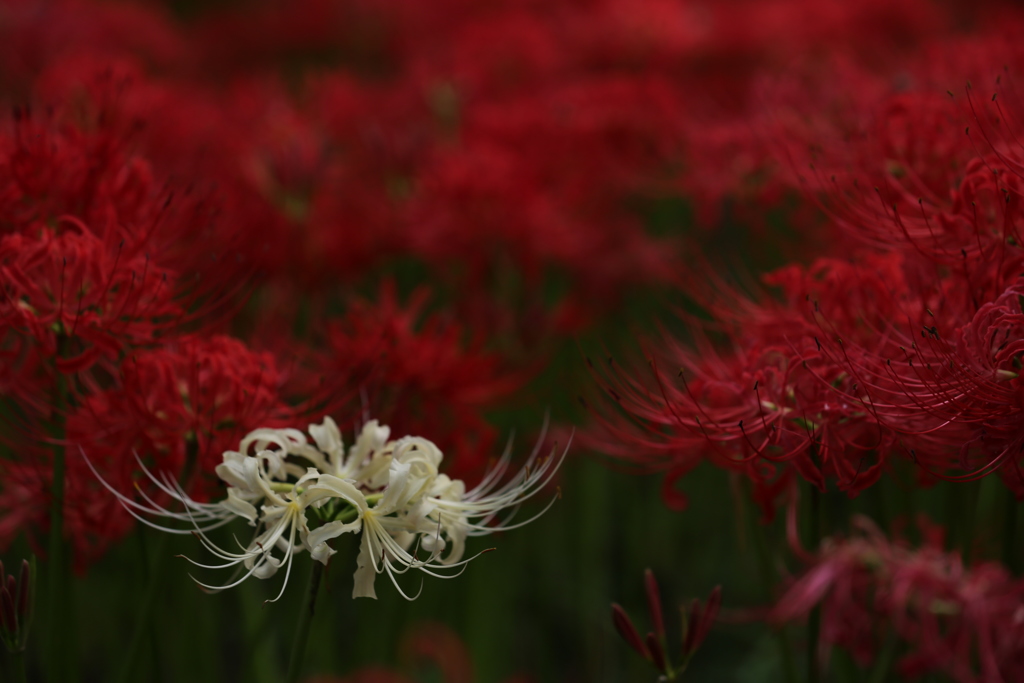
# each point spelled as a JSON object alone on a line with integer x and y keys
{"x": 732, "y": 290}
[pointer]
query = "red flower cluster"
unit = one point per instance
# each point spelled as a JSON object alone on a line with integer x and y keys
{"x": 902, "y": 340}
{"x": 190, "y": 209}
{"x": 963, "y": 621}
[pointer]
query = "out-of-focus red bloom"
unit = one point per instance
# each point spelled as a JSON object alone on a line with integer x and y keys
{"x": 774, "y": 395}
{"x": 902, "y": 344}
{"x": 549, "y": 177}
{"x": 93, "y": 245}
{"x": 35, "y": 33}
{"x": 953, "y": 397}
{"x": 426, "y": 646}
{"x": 204, "y": 391}
{"x": 193, "y": 398}
{"x": 91, "y": 520}
{"x": 76, "y": 222}
{"x": 421, "y": 373}
{"x": 967, "y": 622}
{"x": 71, "y": 286}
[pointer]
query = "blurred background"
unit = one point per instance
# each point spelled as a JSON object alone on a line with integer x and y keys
{"x": 439, "y": 215}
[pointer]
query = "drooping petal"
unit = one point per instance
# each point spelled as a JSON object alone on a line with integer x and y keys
{"x": 365, "y": 571}
{"x": 243, "y": 508}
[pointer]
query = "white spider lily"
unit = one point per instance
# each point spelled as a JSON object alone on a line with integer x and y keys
{"x": 390, "y": 491}
{"x": 460, "y": 514}
{"x": 283, "y": 517}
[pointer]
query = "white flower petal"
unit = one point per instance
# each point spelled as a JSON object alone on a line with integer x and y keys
{"x": 267, "y": 567}
{"x": 239, "y": 506}
{"x": 322, "y": 553}
{"x": 330, "y": 486}
{"x": 332, "y": 530}
{"x": 365, "y": 571}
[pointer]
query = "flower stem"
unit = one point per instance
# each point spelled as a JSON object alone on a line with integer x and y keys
{"x": 302, "y": 628}
{"x": 57, "y": 583}
{"x": 767, "y": 575}
{"x": 154, "y": 581}
{"x": 883, "y": 663}
{"x": 974, "y": 500}
{"x": 20, "y": 672}
{"x": 1011, "y": 552}
{"x": 814, "y": 619}
{"x": 263, "y": 665}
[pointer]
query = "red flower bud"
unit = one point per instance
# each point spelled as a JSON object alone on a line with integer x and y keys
{"x": 657, "y": 653}
{"x": 23, "y": 592}
{"x": 628, "y": 632}
{"x": 10, "y": 619}
{"x": 654, "y": 604}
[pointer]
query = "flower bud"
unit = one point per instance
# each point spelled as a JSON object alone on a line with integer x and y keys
{"x": 654, "y": 604}
{"x": 16, "y": 598}
{"x": 628, "y": 632}
{"x": 657, "y": 653}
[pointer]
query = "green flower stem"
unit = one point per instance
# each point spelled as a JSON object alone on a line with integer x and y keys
{"x": 58, "y": 598}
{"x": 883, "y": 663}
{"x": 262, "y": 665}
{"x": 155, "y": 580}
{"x": 974, "y": 501}
{"x": 146, "y": 607}
{"x": 814, "y": 619}
{"x": 768, "y": 577}
{"x": 302, "y": 628}
{"x": 20, "y": 671}
{"x": 1011, "y": 551}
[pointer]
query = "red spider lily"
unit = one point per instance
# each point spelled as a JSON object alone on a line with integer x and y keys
{"x": 922, "y": 188}
{"x": 696, "y": 625}
{"x": 92, "y": 521}
{"x": 213, "y": 159}
{"x": 418, "y": 372}
{"x": 202, "y": 393}
{"x": 71, "y": 286}
{"x": 550, "y": 176}
{"x": 35, "y": 34}
{"x": 962, "y": 621}
{"x": 774, "y": 396}
{"x": 953, "y": 398}
{"x": 92, "y": 282}
{"x": 908, "y": 352}
{"x": 190, "y": 400}
{"x": 91, "y": 245}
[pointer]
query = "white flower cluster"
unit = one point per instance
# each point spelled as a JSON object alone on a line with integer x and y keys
{"x": 388, "y": 490}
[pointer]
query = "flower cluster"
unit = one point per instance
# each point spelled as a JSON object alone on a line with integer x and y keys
{"x": 390, "y": 491}
{"x": 952, "y": 618}
{"x": 218, "y": 221}
{"x": 895, "y": 338}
